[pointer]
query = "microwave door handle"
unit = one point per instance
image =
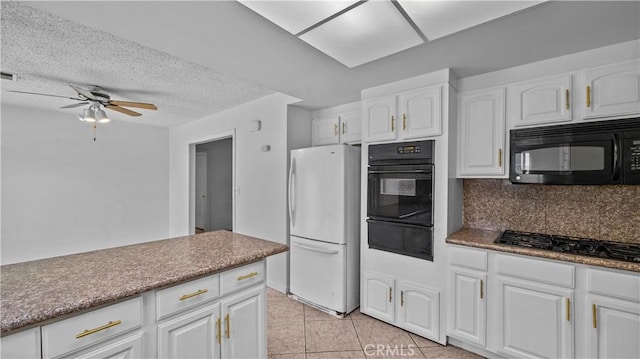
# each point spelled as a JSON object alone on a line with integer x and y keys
{"x": 616, "y": 157}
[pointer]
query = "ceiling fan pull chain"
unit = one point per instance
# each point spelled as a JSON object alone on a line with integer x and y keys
{"x": 94, "y": 132}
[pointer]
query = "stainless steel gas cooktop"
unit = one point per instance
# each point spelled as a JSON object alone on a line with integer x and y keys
{"x": 573, "y": 245}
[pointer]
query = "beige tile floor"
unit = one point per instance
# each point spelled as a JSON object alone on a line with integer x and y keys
{"x": 298, "y": 331}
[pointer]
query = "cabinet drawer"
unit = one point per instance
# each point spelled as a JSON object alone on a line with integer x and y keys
{"x": 537, "y": 270}
{"x": 241, "y": 277}
{"x": 468, "y": 258}
{"x": 623, "y": 286}
{"x": 187, "y": 295}
{"x": 90, "y": 328}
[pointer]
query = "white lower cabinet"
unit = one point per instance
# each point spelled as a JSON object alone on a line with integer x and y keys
{"x": 244, "y": 325}
{"x": 24, "y": 344}
{"x": 613, "y": 307}
{"x": 467, "y": 305}
{"x": 193, "y": 335}
{"x": 402, "y": 303}
{"x": 535, "y": 320}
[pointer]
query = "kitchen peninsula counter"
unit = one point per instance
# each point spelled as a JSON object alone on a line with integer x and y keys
{"x": 481, "y": 238}
{"x": 35, "y": 292}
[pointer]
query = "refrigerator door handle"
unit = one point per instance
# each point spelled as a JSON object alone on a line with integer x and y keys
{"x": 315, "y": 249}
{"x": 291, "y": 192}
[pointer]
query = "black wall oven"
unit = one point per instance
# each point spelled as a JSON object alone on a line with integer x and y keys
{"x": 591, "y": 153}
{"x": 400, "y": 198}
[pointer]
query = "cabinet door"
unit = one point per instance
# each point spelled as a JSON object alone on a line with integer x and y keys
{"x": 613, "y": 90}
{"x": 128, "y": 348}
{"x": 541, "y": 101}
{"x": 481, "y": 134}
{"x": 420, "y": 112}
{"x": 244, "y": 327}
{"x": 419, "y": 310}
{"x": 380, "y": 119}
{"x": 377, "y": 296}
{"x": 24, "y": 344}
{"x": 351, "y": 127}
{"x": 614, "y": 329}
{"x": 467, "y": 312}
{"x": 534, "y": 321}
{"x": 326, "y": 131}
{"x": 193, "y": 335}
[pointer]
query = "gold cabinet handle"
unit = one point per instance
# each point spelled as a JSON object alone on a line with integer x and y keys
{"x": 390, "y": 298}
{"x": 393, "y": 123}
{"x": 402, "y": 298}
{"x": 404, "y": 121}
{"x": 196, "y": 293}
{"x": 481, "y": 289}
{"x": 95, "y": 330}
{"x": 335, "y": 129}
{"x": 247, "y": 276}
{"x": 594, "y": 315}
{"x": 567, "y": 98}
{"x": 344, "y": 128}
{"x": 219, "y": 331}
{"x": 588, "y": 96}
{"x": 227, "y": 326}
{"x": 499, "y": 157}
{"x": 568, "y": 309}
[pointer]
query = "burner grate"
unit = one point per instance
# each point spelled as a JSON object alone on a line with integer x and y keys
{"x": 574, "y": 245}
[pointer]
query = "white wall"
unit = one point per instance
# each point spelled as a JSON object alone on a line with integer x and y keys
{"x": 260, "y": 179}
{"x": 63, "y": 193}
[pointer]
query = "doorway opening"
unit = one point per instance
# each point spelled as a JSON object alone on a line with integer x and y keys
{"x": 213, "y": 181}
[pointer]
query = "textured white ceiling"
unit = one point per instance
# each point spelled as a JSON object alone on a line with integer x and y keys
{"x": 196, "y": 42}
{"x": 48, "y": 52}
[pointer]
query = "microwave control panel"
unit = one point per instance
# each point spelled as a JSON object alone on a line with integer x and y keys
{"x": 633, "y": 151}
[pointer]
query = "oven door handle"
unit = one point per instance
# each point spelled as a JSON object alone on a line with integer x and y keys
{"x": 399, "y": 223}
{"x": 398, "y": 171}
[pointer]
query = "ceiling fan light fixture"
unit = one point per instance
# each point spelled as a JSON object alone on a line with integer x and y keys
{"x": 101, "y": 116}
{"x": 89, "y": 115}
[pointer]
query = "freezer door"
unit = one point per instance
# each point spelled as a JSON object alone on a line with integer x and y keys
{"x": 317, "y": 193}
{"x": 318, "y": 273}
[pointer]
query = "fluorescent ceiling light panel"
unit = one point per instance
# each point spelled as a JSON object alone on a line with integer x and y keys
{"x": 437, "y": 19}
{"x": 368, "y": 32}
{"x": 295, "y": 16}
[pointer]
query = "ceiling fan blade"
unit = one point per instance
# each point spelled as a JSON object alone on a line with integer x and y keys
{"x": 45, "y": 94}
{"x": 147, "y": 106}
{"x": 122, "y": 110}
{"x": 75, "y": 105}
{"x": 84, "y": 92}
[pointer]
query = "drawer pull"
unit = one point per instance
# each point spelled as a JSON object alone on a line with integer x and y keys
{"x": 95, "y": 330}
{"x": 191, "y": 295}
{"x": 227, "y": 323}
{"x": 247, "y": 276}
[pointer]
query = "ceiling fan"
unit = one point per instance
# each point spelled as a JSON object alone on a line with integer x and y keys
{"x": 97, "y": 97}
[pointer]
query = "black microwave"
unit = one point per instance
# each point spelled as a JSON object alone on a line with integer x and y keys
{"x": 590, "y": 153}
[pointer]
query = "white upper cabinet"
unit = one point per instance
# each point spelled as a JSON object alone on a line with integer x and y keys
{"x": 421, "y": 112}
{"x": 406, "y": 115}
{"x": 481, "y": 133}
{"x": 351, "y": 127}
{"x": 380, "y": 119}
{"x": 540, "y": 101}
{"x": 326, "y": 131}
{"x": 612, "y": 90}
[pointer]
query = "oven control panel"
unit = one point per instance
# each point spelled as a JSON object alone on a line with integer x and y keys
{"x": 403, "y": 150}
{"x": 633, "y": 148}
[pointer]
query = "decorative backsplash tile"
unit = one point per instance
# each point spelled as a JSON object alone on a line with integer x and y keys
{"x": 602, "y": 212}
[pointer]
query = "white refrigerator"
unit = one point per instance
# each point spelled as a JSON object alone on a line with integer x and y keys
{"x": 324, "y": 217}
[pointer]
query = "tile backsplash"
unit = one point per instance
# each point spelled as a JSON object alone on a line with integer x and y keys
{"x": 609, "y": 212}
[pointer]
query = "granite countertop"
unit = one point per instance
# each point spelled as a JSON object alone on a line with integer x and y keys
{"x": 38, "y": 291}
{"x": 485, "y": 239}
